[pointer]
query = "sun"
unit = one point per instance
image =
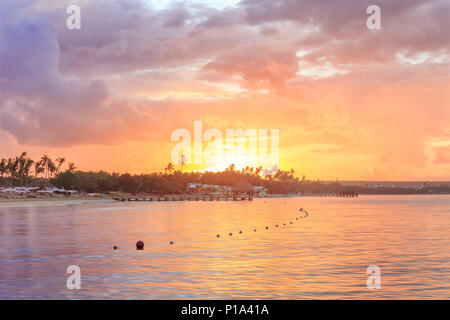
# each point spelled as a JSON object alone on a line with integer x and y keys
{"x": 240, "y": 157}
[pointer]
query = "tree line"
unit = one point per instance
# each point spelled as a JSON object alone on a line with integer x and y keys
{"x": 21, "y": 170}
{"x": 176, "y": 181}
{"x": 173, "y": 181}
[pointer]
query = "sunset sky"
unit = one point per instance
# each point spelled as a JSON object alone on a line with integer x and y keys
{"x": 350, "y": 103}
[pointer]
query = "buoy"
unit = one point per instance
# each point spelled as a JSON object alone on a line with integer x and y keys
{"x": 291, "y": 222}
{"x": 171, "y": 242}
{"x": 115, "y": 247}
{"x": 240, "y": 231}
{"x": 140, "y": 245}
{"x": 296, "y": 218}
{"x": 284, "y": 224}
{"x": 218, "y": 236}
{"x": 267, "y": 228}
{"x": 301, "y": 209}
{"x": 276, "y": 226}
{"x": 254, "y": 230}
{"x": 231, "y": 234}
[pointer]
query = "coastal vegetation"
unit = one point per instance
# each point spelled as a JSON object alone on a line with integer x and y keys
{"x": 24, "y": 171}
{"x": 174, "y": 181}
{"x": 21, "y": 170}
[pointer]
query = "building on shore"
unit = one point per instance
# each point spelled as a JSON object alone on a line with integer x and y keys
{"x": 242, "y": 188}
{"x": 260, "y": 190}
{"x": 208, "y": 189}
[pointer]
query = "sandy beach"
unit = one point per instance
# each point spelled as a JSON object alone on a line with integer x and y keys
{"x": 53, "y": 201}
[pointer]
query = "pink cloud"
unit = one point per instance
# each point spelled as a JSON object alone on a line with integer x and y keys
{"x": 259, "y": 66}
{"x": 442, "y": 155}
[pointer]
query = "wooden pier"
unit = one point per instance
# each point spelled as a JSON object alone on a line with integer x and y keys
{"x": 345, "y": 194}
{"x": 185, "y": 198}
{"x": 241, "y": 191}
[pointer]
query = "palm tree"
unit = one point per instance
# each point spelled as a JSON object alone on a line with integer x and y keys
{"x": 182, "y": 161}
{"x": 22, "y": 161}
{"x": 3, "y": 168}
{"x": 278, "y": 174}
{"x": 26, "y": 170}
{"x": 60, "y": 162}
{"x": 12, "y": 168}
{"x": 71, "y": 168}
{"x": 51, "y": 168}
{"x": 169, "y": 168}
{"x": 231, "y": 168}
{"x": 44, "y": 161}
{"x": 38, "y": 168}
{"x": 24, "y": 166}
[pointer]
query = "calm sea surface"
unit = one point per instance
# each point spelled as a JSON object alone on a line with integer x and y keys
{"x": 322, "y": 256}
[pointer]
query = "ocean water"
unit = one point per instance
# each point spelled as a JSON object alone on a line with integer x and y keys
{"x": 322, "y": 256}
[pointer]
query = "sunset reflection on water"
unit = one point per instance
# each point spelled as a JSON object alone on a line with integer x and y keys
{"x": 322, "y": 256}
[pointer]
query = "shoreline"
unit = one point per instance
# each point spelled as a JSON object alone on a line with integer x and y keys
{"x": 44, "y": 201}
{"x": 109, "y": 198}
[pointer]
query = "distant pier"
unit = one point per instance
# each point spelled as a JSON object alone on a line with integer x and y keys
{"x": 186, "y": 198}
{"x": 233, "y": 197}
{"x": 241, "y": 191}
{"x": 345, "y": 194}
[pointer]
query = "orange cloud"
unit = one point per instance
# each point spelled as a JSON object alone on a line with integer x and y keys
{"x": 347, "y": 101}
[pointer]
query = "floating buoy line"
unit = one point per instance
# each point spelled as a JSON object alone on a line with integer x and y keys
{"x": 291, "y": 222}
{"x": 140, "y": 243}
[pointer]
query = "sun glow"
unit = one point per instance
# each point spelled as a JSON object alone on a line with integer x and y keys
{"x": 240, "y": 157}
{"x": 243, "y": 148}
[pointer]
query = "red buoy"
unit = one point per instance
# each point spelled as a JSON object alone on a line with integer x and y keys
{"x": 140, "y": 245}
